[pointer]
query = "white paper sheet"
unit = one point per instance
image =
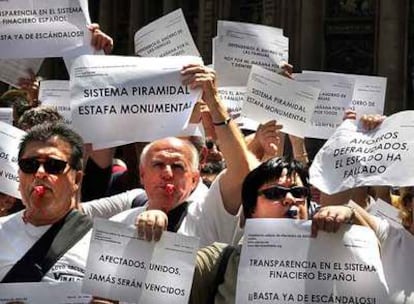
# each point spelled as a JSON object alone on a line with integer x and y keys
{"x": 353, "y": 158}
{"x": 55, "y": 93}
{"x": 334, "y": 98}
{"x": 166, "y": 36}
{"x": 292, "y": 267}
{"x": 141, "y": 99}
{"x": 123, "y": 267}
{"x": 10, "y": 138}
{"x": 42, "y": 28}
{"x": 271, "y": 96}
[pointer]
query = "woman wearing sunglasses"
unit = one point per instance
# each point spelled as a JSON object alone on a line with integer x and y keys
{"x": 278, "y": 188}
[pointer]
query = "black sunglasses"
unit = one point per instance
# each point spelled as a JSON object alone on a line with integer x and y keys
{"x": 50, "y": 165}
{"x": 279, "y": 192}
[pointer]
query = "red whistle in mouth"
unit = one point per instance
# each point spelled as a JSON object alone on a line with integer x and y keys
{"x": 169, "y": 189}
{"x": 39, "y": 191}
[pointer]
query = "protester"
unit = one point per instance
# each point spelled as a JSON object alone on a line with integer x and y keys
{"x": 50, "y": 173}
{"x": 394, "y": 242}
{"x": 9, "y": 204}
{"x": 38, "y": 115}
{"x": 210, "y": 170}
{"x": 28, "y": 119}
{"x": 17, "y": 100}
{"x": 269, "y": 191}
{"x": 215, "y": 217}
{"x": 406, "y": 205}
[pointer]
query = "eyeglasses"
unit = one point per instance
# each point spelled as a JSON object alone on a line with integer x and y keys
{"x": 279, "y": 192}
{"x": 50, "y": 165}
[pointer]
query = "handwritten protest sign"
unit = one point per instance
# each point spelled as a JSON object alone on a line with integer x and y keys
{"x": 43, "y": 292}
{"x": 334, "y": 98}
{"x": 11, "y": 70}
{"x": 343, "y": 267}
{"x": 6, "y": 115}
{"x": 353, "y": 158}
{"x": 166, "y": 36}
{"x": 271, "y": 96}
{"x": 141, "y": 99}
{"x": 121, "y": 266}
{"x": 387, "y": 212}
{"x": 42, "y": 28}
{"x": 55, "y": 93}
{"x": 10, "y": 138}
{"x": 369, "y": 92}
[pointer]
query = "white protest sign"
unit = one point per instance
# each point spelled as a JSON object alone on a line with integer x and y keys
{"x": 141, "y": 99}
{"x": 117, "y": 262}
{"x": 171, "y": 270}
{"x": 369, "y": 93}
{"x": 166, "y": 36}
{"x": 10, "y": 138}
{"x": 387, "y": 212}
{"x": 292, "y": 267}
{"x": 271, "y": 96}
{"x": 123, "y": 267}
{"x": 43, "y": 292}
{"x": 6, "y": 115}
{"x": 13, "y": 69}
{"x": 234, "y": 57}
{"x": 233, "y": 98}
{"x": 249, "y": 30}
{"x": 42, "y": 28}
{"x": 55, "y": 93}
{"x": 334, "y": 98}
{"x": 354, "y": 158}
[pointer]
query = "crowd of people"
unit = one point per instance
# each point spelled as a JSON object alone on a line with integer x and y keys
{"x": 202, "y": 187}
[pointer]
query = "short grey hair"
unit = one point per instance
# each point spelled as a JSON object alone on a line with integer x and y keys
{"x": 195, "y": 159}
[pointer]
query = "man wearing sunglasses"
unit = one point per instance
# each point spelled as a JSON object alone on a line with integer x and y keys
{"x": 50, "y": 173}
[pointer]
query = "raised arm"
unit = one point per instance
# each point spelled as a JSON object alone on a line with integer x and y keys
{"x": 239, "y": 159}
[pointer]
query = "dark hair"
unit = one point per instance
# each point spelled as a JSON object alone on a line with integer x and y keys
{"x": 13, "y": 97}
{"x": 16, "y": 99}
{"x": 46, "y": 131}
{"x": 213, "y": 167}
{"x": 37, "y": 116}
{"x": 268, "y": 172}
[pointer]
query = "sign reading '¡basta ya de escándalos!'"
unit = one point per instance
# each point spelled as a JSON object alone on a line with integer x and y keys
{"x": 43, "y": 28}
{"x": 342, "y": 267}
{"x": 353, "y": 157}
{"x": 140, "y": 98}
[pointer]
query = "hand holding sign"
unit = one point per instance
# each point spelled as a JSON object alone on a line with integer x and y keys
{"x": 371, "y": 121}
{"x": 100, "y": 40}
{"x": 196, "y": 75}
{"x": 150, "y": 224}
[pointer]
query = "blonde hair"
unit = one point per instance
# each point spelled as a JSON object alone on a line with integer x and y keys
{"x": 405, "y": 206}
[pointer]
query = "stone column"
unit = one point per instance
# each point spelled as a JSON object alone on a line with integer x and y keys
{"x": 393, "y": 51}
